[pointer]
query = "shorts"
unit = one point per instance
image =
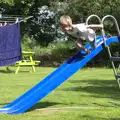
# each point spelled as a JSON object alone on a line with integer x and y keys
{"x": 92, "y": 39}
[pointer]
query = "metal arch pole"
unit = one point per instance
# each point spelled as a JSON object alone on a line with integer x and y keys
{"x": 116, "y": 23}
{"x": 91, "y": 17}
{"x": 108, "y": 49}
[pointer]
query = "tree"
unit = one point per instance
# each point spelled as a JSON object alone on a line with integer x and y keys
{"x": 79, "y": 10}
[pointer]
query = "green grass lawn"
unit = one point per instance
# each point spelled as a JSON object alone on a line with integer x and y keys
{"x": 85, "y": 96}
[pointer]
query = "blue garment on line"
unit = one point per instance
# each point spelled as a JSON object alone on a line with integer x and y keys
{"x": 10, "y": 45}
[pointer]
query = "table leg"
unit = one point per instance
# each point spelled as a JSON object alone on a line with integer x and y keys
{"x": 17, "y": 69}
{"x": 33, "y": 68}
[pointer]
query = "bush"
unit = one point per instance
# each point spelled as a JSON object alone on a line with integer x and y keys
{"x": 28, "y": 43}
{"x": 58, "y": 48}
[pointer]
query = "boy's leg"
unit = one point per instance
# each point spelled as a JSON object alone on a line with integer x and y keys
{"x": 93, "y": 43}
{"x": 92, "y": 38}
{"x": 80, "y": 46}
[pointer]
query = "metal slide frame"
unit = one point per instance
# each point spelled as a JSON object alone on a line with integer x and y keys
{"x": 112, "y": 59}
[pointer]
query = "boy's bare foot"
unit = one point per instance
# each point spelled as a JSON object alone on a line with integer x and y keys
{"x": 87, "y": 51}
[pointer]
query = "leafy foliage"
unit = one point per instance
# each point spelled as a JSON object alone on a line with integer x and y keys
{"x": 45, "y": 22}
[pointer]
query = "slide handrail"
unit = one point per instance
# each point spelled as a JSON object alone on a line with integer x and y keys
{"x": 114, "y": 19}
{"x": 91, "y": 16}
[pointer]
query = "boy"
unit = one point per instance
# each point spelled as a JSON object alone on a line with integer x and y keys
{"x": 80, "y": 31}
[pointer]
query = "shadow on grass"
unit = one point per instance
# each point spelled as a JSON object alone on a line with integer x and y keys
{"x": 95, "y": 81}
{"x": 97, "y": 88}
{"x": 5, "y": 71}
{"x": 3, "y": 104}
{"x": 37, "y": 106}
{"x": 43, "y": 105}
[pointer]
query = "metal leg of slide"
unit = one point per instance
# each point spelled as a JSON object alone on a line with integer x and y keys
{"x": 118, "y": 81}
{"x": 117, "y": 76}
{"x": 113, "y": 66}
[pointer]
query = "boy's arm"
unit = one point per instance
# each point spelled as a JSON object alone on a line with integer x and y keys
{"x": 95, "y": 26}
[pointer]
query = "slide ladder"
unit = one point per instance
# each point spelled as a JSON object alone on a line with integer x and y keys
{"x": 113, "y": 59}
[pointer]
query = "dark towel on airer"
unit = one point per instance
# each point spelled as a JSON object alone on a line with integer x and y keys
{"x": 10, "y": 46}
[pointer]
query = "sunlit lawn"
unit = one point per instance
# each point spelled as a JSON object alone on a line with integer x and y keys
{"x": 87, "y": 95}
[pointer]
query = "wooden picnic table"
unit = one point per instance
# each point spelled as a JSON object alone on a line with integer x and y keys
{"x": 27, "y": 60}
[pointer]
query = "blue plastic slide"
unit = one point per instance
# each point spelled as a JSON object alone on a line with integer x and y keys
{"x": 52, "y": 81}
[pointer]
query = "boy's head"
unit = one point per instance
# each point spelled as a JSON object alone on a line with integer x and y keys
{"x": 66, "y": 22}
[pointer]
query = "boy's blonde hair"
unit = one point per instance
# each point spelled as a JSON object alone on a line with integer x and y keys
{"x": 65, "y": 19}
